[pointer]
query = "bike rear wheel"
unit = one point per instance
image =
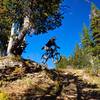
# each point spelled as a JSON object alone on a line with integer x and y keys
{"x": 56, "y": 58}
{"x": 44, "y": 58}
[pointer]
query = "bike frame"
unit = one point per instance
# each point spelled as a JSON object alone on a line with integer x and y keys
{"x": 49, "y": 55}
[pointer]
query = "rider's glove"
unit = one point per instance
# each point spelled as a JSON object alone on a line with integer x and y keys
{"x": 42, "y": 48}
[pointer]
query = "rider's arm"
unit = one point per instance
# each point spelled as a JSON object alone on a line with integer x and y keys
{"x": 56, "y": 45}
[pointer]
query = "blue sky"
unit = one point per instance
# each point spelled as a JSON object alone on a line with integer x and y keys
{"x": 67, "y": 35}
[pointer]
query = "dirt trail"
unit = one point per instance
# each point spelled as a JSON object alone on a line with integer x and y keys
{"x": 74, "y": 88}
{"x": 70, "y": 88}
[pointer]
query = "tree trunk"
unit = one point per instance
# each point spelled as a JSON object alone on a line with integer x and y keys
{"x": 14, "y": 44}
{"x": 11, "y": 40}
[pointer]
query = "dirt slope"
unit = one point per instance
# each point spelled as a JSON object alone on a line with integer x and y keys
{"x": 28, "y": 80}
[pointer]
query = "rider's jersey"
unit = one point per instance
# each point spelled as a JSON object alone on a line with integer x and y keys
{"x": 50, "y": 43}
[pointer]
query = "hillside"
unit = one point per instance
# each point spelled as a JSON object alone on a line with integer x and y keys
{"x": 22, "y": 79}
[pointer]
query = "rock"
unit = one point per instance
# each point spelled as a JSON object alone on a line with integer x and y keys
{"x": 8, "y": 62}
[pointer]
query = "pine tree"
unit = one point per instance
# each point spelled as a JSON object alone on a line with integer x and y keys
{"x": 95, "y": 27}
{"x": 33, "y": 16}
{"x": 81, "y": 57}
{"x": 86, "y": 39}
{"x": 63, "y": 63}
{"x": 77, "y": 57}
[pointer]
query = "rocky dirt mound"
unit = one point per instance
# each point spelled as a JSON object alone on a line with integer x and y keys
{"x": 22, "y": 79}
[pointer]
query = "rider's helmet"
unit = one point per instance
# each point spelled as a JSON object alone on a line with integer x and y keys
{"x": 53, "y": 38}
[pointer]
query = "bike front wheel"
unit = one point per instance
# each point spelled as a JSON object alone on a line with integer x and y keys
{"x": 56, "y": 58}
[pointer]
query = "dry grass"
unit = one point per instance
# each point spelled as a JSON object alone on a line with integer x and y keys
{"x": 12, "y": 57}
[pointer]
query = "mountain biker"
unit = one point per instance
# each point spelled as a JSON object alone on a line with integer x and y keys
{"x": 50, "y": 45}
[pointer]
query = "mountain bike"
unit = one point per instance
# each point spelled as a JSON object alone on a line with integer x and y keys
{"x": 54, "y": 55}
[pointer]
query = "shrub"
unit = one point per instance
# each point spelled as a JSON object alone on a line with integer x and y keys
{"x": 3, "y": 96}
